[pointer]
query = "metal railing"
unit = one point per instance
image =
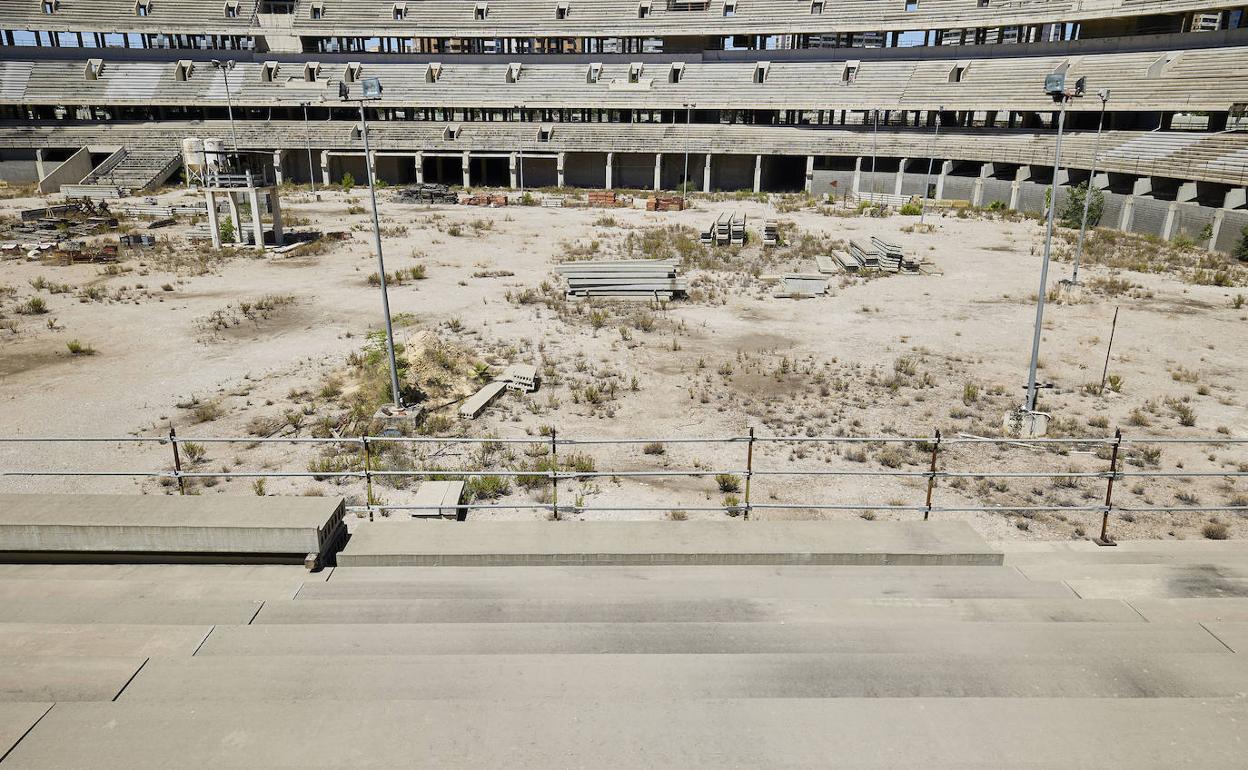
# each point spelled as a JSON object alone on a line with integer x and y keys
{"x": 372, "y": 454}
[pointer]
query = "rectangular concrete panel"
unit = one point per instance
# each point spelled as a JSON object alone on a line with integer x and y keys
{"x": 517, "y": 543}
{"x": 98, "y": 640}
{"x": 912, "y": 733}
{"x": 1232, "y": 634}
{"x": 157, "y": 524}
{"x": 1192, "y": 610}
{"x": 1199, "y": 585}
{"x": 16, "y": 719}
{"x": 687, "y": 677}
{"x": 65, "y": 679}
{"x": 127, "y": 611}
{"x": 942, "y": 637}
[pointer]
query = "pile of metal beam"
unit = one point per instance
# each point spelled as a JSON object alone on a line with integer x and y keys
{"x": 632, "y": 278}
{"x": 771, "y": 232}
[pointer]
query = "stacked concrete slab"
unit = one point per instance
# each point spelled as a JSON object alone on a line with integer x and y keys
{"x": 631, "y": 278}
{"x": 683, "y": 665}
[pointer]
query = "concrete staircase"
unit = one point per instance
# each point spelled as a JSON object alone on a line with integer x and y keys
{"x": 1065, "y": 656}
{"x": 129, "y": 171}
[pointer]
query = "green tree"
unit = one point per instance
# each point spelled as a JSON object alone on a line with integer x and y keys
{"x": 348, "y": 182}
{"x": 226, "y": 230}
{"x": 1071, "y": 214}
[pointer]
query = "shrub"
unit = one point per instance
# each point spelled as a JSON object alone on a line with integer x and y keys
{"x": 225, "y": 229}
{"x": 207, "y": 411}
{"x": 677, "y": 515}
{"x": 1240, "y": 251}
{"x": 732, "y": 505}
{"x": 727, "y": 482}
{"x": 77, "y": 348}
{"x": 33, "y": 306}
{"x": 486, "y": 488}
{"x": 194, "y": 452}
{"x": 1071, "y": 214}
{"x": 970, "y": 393}
{"x": 911, "y": 209}
{"x": 1215, "y": 530}
{"x": 654, "y": 448}
{"x": 348, "y": 181}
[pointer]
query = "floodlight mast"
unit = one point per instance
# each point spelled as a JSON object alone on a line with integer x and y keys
{"x": 372, "y": 91}
{"x": 1103, "y": 94}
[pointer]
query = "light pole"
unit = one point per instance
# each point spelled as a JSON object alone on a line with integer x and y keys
{"x": 684, "y": 185}
{"x": 1055, "y": 86}
{"x": 372, "y": 91}
{"x": 875, "y": 133}
{"x": 225, "y": 67}
{"x": 520, "y": 115}
{"x": 307, "y": 130}
{"x": 1087, "y": 193}
{"x": 931, "y": 161}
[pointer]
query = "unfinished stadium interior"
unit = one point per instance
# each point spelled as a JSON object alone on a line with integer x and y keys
{"x": 623, "y": 383}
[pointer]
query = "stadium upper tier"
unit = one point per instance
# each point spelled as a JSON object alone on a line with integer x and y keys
{"x": 1199, "y": 80}
{"x": 572, "y": 17}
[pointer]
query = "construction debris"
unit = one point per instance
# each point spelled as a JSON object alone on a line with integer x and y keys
{"x": 665, "y": 203}
{"x": 771, "y": 232}
{"x": 800, "y": 286}
{"x": 603, "y": 199}
{"x": 426, "y": 193}
{"x": 476, "y": 403}
{"x": 493, "y": 201}
{"x": 442, "y": 499}
{"x": 632, "y": 278}
{"x": 727, "y": 229}
{"x": 138, "y": 240}
{"x": 522, "y": 377}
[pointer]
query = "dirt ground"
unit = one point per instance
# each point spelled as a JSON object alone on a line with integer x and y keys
{"x": 235, "y": 345}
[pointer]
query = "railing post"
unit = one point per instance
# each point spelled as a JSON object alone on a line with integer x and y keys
{"x": 554, "y": 472}
{"x": 368, "y": 476}
{"x": 177, "y": 461}
{"x": 931, "y": 476}
{"x": 1104, "y": 539}
{"x": 749, "y": 470}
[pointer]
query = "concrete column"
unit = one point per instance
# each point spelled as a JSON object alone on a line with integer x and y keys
{"x": 466, "y": 165}
{"x": 1142, "y": 186}
{"x": 1186, "y": 193}
{"x": 901, "y": 176}
{"x": 512, "y": 163}
{"x": 610, "y": 167}
{"x": 559, "y": 165}
{"x": 977, "y": 193}
{"x": 1167, "y": 229}
{"x": 325, "y": 168}
{"x": 235, "y": 218}
{"x": 1016, "y": 190}
{"x": 758, "y": 173}
{"x": 420, "y": 168}
{"x": 945, "y": 168}
{"x": 214, "y": 227}
{"x": 856, "y": 185}
{"x": 275, "y": 208}
{"x": 257, "y": 223}
{"x": 1063, "y": 177}
{"x": 1215, "y": 229}
{"x": 658, "y": 171}
{"x": 1100, "y": 181}
{"x": 706, "y": 174}
{"x": 810, "y": 174}
{"x": 277, "y": 166}
{"x": 39, "y": 170}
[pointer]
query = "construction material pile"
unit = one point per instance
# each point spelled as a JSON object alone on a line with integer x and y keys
{"x": 665, "y": 203}
{"x": 801, "y": 286}
{"x": 771, "y": 232}
{"x": 632, "y": 278}
{"x": 603, "y": 199}
{"x": 493, "y": 201}
{"x": 427, "y": 193}
{"x": 728, "y": 228}
{"x": 876, "y": 255}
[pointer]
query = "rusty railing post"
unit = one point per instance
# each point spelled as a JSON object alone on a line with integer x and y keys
{"x": 177, "y": 461}
{"x": 931, "y": 476}
{"x": 1104, "y": 539}
{"x": 749, "y": 470}
{"x": 368, "y": 476}
{"x": 554, "y": 472}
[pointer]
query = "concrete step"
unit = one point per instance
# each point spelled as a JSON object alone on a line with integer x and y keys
{"x": 675, "y": 582}
{"x": 677, "y": 677}
{"x": 537, "y": 543}
{"x": 1233, "y": 634}
{"x": 99, "y": 640}
{"x": 126, "y": 611}
{"x": 938, "y": 637}
{"x": 903, "y": 732}
{"x": 16, "y": 719}
{"x": 1184, "y": 570}
{"x": 593, "y": 609}
{"x": 1198, "y": 586}
{"x": 147, "y": 590}
{"x": 65, "y": 678}
{"x": 1192, "y": 610}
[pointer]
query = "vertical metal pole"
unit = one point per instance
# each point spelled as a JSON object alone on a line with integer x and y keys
{"x": 1109, "y": 490}
{"x": 1108, "y": 350}
{"x": 307, "y": 129}
{"x": 749, "y": 470}
{"x": 381, "y": 263}
{"x": 684, "y": 182}
{"x": 1044, "y": 269}
{"x": 177, "y": 461}
{"x": 368, "y": 474}
{"x": 554, "y": 473}
{"x": 931, "y": 476}
{"x": 1087, "y": 193}
{"x": 875, "y": 132}
{"x": 229, "y": 103}
{"x": 931, "y": 161}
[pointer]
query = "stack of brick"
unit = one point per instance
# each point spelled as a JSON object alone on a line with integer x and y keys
{"x": 665, "y": 203}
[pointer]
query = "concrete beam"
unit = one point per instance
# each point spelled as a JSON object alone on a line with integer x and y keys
{"x": 420, "y": 168}
{"x": 257, "y": 222}
{"x": 214, "y": 227}
{"x": 810, "y": 174}
{"x": 277, "y": 165}
{"x": 560, "y": 159}
{"x": 856, "y": 185}
{"x": 1236, "y": 198}
{"x": 610, "y": 168}
{"x": 1022, "y": 174}
{"x": 658, "y": 171}
{"x": 512, "y": 161}
{"x": 1100, "y": 181}
{"x": 758, "y": 173}
{"x": 946, "y": 167}
{"x": 1127, "y": 217}
{"x": 1142, "y": 186}
{"x": 706, "y": 174}
{"x": 325, "y": 168}
{"x": 235, "y": 218}
{"x": 466, "y": 167}
{"x": 977, "y": 192}
{"x": 901, "y": 176}
{"x": 275, "y": 209}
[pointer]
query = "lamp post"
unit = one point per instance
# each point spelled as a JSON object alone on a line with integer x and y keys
{"x": 931, "y": 161}
{"x": 520, "y": 115}
{"x": 225, "y": 67}
{"x": 684, "y": 184}
{"x": 307, "y": 130}
{"x": 1087, "y": 193}
{"x": 1055, "y": 86}
{"x": 372, "y": 91}
{"x": 875, "y": 133}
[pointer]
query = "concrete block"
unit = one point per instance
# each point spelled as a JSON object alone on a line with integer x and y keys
{"x": 514, "y": 543}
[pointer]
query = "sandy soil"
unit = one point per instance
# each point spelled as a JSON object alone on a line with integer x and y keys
{"x": 899, "y": 355}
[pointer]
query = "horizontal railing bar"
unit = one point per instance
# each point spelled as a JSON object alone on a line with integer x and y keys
{"x": 453, "y": 440}
{"x": 267, "y": 440}
{"x": 85, "y": 440}
{"x": 593, "y": 441}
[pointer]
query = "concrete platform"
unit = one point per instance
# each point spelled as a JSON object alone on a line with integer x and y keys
{"x": 732, "y": 733}
{"x": 154, "y": 527}
{"x": 516, "y": 543}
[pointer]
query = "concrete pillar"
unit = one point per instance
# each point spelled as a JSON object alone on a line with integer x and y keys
{"x": 512, "y": 160}
{"x": 1172, "y": 212}
{"x": 559, "y": 165}
{"x": 901, "y": 176}
{"x": 658, "y": 171}
{"x": 466, "y": 165}
{"x": 325, "y": 168}
{"x": 257, "y": 223}
{"x": 1215, "y": 229}
{"x": 856, "y": 185}
{"x": 945, "y": 168}
{"x": 810, "y": 174}
{"x": 277, "y": 166}
{"x": 420, "y": 168}
{"x": 1016, "y": 189}
{"x": 610, "y": 167}
{"x": 1186, "y": 193}
{"x": 758, "y": 173}
{"x": 977, "y": 193}
{"x": 1063, "y": 177}
{"x": 39, "y": 170}
{"x": 706, "y": 174}
{"x": 1127, "y": 217}
{"x": 275, "y": 208}
{"x": 1100, "y": 181}
{"x": 235, "y": 219}
{"x": 214, "y": 227}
